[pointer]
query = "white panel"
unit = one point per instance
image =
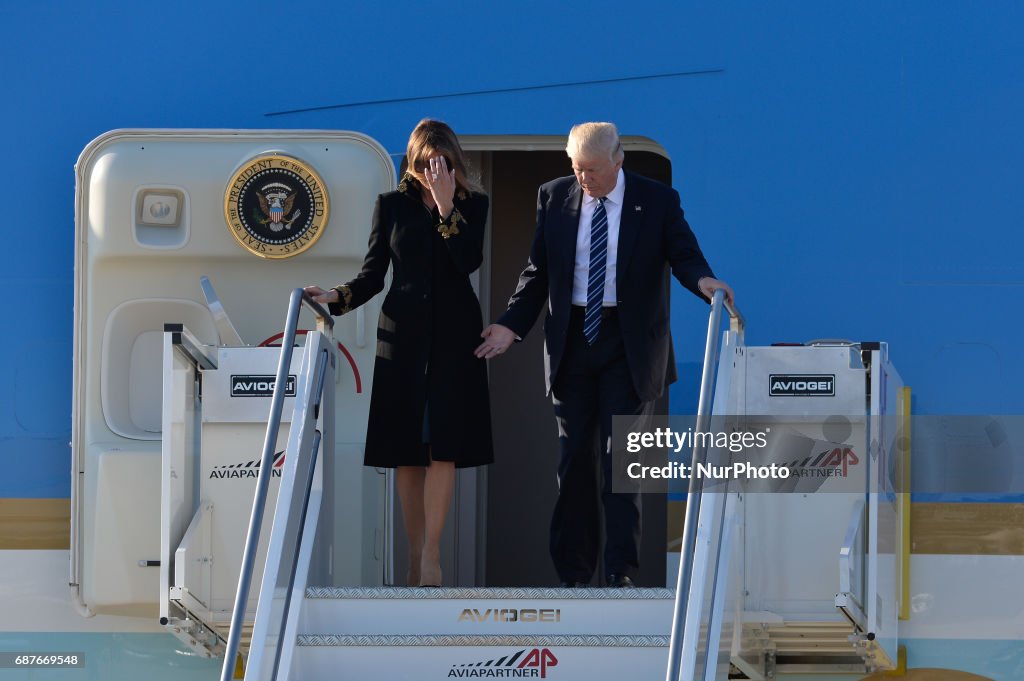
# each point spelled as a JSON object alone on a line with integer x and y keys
{"x": 143, "y": 400}
{"x": 222, "y": 404}
{"x": 178, "y": 459}
{"x": 127, "y": 530}
{"x": 130, "y": 365}
{"x": 228, "y": 473}
{"x": 965, "y": 597}
{"x": 549, "y": 617}
{"x": 793, "y": 538}
{"x": 440, "y": 662}
{"x": 843, "y": 362}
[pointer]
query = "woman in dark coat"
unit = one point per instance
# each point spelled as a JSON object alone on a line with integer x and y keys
{"x": 429, "y": 405}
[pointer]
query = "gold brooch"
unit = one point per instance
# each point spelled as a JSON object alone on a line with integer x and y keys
{"x": 450, "y": 225}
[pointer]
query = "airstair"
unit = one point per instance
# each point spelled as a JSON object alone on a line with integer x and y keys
{"x": 802, "y": 574}
{"x": 270, "y": 542}
{"x": 776, "y": 577}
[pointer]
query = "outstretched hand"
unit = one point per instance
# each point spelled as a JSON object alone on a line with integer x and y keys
{"x": 497, "y": 339}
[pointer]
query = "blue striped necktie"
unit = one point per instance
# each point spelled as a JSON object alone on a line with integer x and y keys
{"x": 598, "y": 266}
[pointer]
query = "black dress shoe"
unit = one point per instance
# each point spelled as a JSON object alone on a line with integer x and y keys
{"x": 620, "y": 582}
{"x": 573, "y": 585}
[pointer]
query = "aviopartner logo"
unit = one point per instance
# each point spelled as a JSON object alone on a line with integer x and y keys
{"x": 248, "y": 469}
{"x": 521, "y": 665}
{"x": 831, "y": 463}
{"x": 276, "y": 206}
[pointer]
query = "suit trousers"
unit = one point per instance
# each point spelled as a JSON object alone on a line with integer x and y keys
{"x": 592, "y": 385}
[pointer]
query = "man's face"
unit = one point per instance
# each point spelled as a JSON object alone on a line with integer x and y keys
{"x": 596, "y": 174}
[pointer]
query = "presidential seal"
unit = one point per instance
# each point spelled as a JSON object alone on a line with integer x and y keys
{"x": 276, "y": 206}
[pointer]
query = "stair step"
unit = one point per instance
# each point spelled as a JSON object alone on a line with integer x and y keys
{"x": 462, "y": 640}
{"x": 404, "y": 593}
{"x": 486, "y": 611}
{"x": 245, "y": 638}
{"x": 422, "y": 658}
{"x": 417, "y": 634}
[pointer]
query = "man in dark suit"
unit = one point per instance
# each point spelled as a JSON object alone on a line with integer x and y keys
{"x": 604, "y": 243}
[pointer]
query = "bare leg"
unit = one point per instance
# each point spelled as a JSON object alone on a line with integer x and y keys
{"x": 437, "y": 497}
{"x": 409, "y": 480}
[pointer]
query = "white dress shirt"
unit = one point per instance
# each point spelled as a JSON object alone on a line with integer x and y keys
{"x": 581, "y": 272}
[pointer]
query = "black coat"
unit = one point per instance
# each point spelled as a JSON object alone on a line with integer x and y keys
{"x": 653, "y": 239}
{"x": 429, "y": 326}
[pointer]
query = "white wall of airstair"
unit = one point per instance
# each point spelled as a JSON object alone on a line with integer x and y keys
{"x": 420, "y": 633}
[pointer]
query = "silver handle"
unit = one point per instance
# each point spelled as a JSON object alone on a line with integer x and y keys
{"x": 699, "y": 458}
{"x": 259, "y": 503}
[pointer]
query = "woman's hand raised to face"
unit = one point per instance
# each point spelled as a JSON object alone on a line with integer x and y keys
{"x": 441, "y": 183}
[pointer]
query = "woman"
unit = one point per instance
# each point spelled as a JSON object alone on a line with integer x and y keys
{"x": 429, "y": 406}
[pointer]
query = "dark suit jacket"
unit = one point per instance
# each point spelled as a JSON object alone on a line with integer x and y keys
{"x": 653, "y": 238}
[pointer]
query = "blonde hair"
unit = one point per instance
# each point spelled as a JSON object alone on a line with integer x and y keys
{"x": 432, "y": 137}
{"x": 595, "y": 139}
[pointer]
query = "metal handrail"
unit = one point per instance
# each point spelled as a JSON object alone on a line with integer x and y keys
{"x": 737, "y": 324}
{"x": 259, "y": 502}
{"x": 699, "y": 458}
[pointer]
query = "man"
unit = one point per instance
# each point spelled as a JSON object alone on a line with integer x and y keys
{"x": 604, "y": 242}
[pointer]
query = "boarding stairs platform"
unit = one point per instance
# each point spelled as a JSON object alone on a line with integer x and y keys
{"x": 424, "y": 633}
{"x": 774, "y": 578}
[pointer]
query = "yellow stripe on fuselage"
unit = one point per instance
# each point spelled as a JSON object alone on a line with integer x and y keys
{"x": 35, "y": 523}
{"x": 979, "y": 529}
{"x": 982, "y": 529}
